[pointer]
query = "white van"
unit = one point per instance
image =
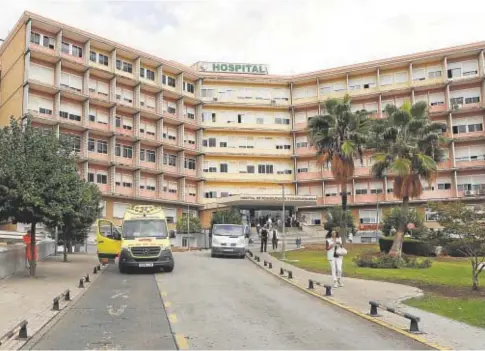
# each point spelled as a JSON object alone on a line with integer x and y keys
{"x": 228, "y": 240}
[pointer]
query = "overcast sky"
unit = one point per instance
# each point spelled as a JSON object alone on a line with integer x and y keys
{"x": 290, "y": 36}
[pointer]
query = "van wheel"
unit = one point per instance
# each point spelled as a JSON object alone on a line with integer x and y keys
{"x": 169, "y": 269}
{"x": 122, "y": 268}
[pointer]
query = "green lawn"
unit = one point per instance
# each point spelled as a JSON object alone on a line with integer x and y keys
{"x": 471, "y": 311}
{"x": 447, "y": 284}
{"x": 449, "y": 272}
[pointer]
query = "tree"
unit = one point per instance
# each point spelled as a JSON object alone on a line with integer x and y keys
{"x": 467, "y": 224}
{"x": 339, "y": 137}
{"x": 226, "y": 217}
{"x": 334, "y": 214}
{"x": 80, "y": 211}
{"x": 396, "y": 216}
{"x": 193, "y": 224}
{"x": 407, "y": 145}
{"x": 34, "y": 176}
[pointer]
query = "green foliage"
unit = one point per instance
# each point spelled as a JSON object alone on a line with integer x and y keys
{"x": 466, "y": 223}
{"x": 396, "y": 217}
{"x": 36, "y": 170}
{"x": 370, "y": 260}
{"x": 333, "y": 219}
{"x": 193, "y": 224}
{"x": 409, "y": 247}
{"x": 226, "y": 217}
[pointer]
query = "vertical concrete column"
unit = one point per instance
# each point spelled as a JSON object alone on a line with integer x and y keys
{"x": 112, "y": 90}
{"x": 379, "y": 107}
{"x": 378, "y": 78}
{"x": 159, "y": 103}
{"x": 200, "y": 166}
{"x": 447, "y": 97}
{"x": 323, "y": 192}
{"x": 59, "y": 42}
{"x": 137, "y": 179}
{"x": 180, "y": 109}
{"x": 57, "y": 130}
{"x": 25, "y": 100}
{"x": 112, "y": 149}
{"x": 158, "y": 75}
{"x": 85, "y": 116}
{"x": 136, "y": 73}
{"x": 347, "y": 82}
{"x": 85, "y": 170}
{"x": 159, "y": 155}
{"x": 453, "y": 154}
{"x": 445, "y": 68}
{"x": 385, "y": 188}
{"x": 481, "y": 63}
{"x": 410, "y": 79}
{"x": 28, "y": 30}
{"x": 198, "y": 88}
{"x": 113, "y": 60}
{"x": 181, "y": 161}
{"x": 57, "y": 104}
{"x": 291, "y": 93}
{"x": 137, "y": 95}
{"x": 450, "y": 124}
{"x": 86, "y": 76}
{"x": 27, "y": 67}
{"x": 112, "y": 119}
{"x": 199, "y": 137}
{"x": 181, "y": 134}
{"x": 159, "y": 129}
{"x": 455, "y": 180}
{"x": 87, "y": 52}
{"x": 318, "y": 90}
{"x": 112, "y": 179}
{"x": 353, "y": 190}
{"x": 413, "y": 100}
{"x": 137, "y": 153}
{"x": 179, "y": 82}
{"x": 200, "y": 191}
{"x": 58, "y": 74}
{"x": 181, "y": 190}
{"x": 198, "y": 113}
{"x": 160, "y": 181}
{"x": 84, "y": 145}
{"x": 136, "y": 123}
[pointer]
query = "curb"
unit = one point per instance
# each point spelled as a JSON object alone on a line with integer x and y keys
{"x": 50, "y": 321}
{"x": 356, "y": 312}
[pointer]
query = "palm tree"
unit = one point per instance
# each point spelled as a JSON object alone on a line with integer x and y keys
{"x": 339, "y": 137}
{"x": 407, "y": 144}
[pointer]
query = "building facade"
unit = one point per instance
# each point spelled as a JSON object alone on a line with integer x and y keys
{"x": 152, "y": 131}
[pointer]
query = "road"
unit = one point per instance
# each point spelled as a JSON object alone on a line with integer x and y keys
{"x": 212, "y": 304}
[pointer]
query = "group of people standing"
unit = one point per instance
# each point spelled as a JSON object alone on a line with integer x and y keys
{"x": 268, "y": 231}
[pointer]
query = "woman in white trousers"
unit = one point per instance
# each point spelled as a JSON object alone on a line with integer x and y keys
{"x": 335, "y": 261}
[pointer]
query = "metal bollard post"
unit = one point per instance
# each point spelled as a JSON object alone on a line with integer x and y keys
{"x": 67, "y": 295}
{"x": 373, "y": 309}
{"x": 81, "y": 283}
{"x": 87, "y": 278}
{"x": 99, "y": 267}
{"x": 282, "y": 271}
{"x": 95, "y": 271}
{"x": 310, "y": 284}
{"x": 290, "y": 275}
{"x": 270, "y": 265}
{"x": 23, "y": 331}
{"x": 265, "y": 263}
{"x": 328, "y": 290}
{"x": 55, "y": 304}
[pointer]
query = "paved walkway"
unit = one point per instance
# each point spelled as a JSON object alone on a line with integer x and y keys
{"x": 357, "y": 293}
{"x": 23, "y": 297}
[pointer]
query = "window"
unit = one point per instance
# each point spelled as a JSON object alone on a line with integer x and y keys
{"x": 223, "y": 168}
{"x": 72, "y": 81}
{"x": 102, "y": 147}
{"x": 462, "y": 69}
{"x": 265, "y": 169}
{"x": 103, "y": 60}
{"x": 127, "y": 151}
{"x": 190, "y": 163}
{"x": 280, "y": 120}
{"x": 167, "y": 80}
{"x": 151, "y": 156}
{"x": 91, "y": 177}
{"x": 101, "y": 178}
{"x": 468, "y": 125}
{"x": 124, "y": 66}
{"x": 147, "y": 74}
{"x": 74, "y": 141}
{"x": 169, "y": 159}
{"x": 430, "y": 216}
{"x": 189, "y": 87}
{"x": 91, "y": 145}
{"x": 43, "y": 40}
{"x": 360, "y": 188}
{"x": 35, "y": 38}
{"x": 369, "y": 216}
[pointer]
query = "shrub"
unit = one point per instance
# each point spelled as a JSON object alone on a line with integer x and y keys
{"x": 386, "y": 261}
{"x": 396, "y": 216}
{"x": 333, "y": 219}
{"x": 409, "y": 247}
{"x": 457, "y": 249}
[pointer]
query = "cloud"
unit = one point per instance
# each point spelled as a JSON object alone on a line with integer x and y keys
{"x": 290, "y": 36}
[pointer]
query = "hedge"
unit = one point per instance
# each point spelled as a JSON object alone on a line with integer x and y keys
{"x": 409, "y": 247}
{"x": 455, "y": 249}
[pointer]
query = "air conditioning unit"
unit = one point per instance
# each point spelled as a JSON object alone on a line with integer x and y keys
{"x": 215, "y": 99}
{"x": 469, "y": 192}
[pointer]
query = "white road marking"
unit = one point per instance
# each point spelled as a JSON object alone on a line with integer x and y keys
{"x": 119, "y": 294}
{"x": 118, "y": 312}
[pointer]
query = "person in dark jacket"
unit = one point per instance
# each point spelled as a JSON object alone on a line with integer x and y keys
{"x": 264, "y": 238}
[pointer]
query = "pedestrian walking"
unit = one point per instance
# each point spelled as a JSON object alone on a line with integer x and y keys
{"x": 264, "y": 238}
{"x": 298, "y": 241}
{"x": 274, "y": 238}
{"x": 350, "y": 237}
{"x": 335, "y": 253}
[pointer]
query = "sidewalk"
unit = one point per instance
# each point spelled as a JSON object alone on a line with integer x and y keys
{"x": 358, "y": 292}
{"x": 23, "y": 297}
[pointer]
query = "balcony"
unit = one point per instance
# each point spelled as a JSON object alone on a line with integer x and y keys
{"x": 362, "y": 171}
{"x": 301, "y": 125}
{"x": 306, "y": 101}
{"x": 125, "y": 132}
{"x": 170, "y": 196}
{"x": 98, "y": 126}
{"x": 190, "y": 146}
{"x": 170, "y": 141}
{"x": 466, "y": 162}
{"x": 190, "y": 172}
{"x": 309, "y": 175}
{"x": 395, "y": 86}
{"x": 42, "y": 114}
{"x": 360, "y": 92}
{"x": 333, "y": 95}
{"x": 472, "y": 193}
{"x": 97, "y": 156}
{"x": 248, "y": 126}
{"x": 437, "y": 194}
{"x": 191, "y": 198}
{"x": 121, "y": 190}
{"x": 446, "y": 164}
{"x": 333, "y": 200}
{"x": 438, "y": 108}
{"x": 249, "y": 177}
{"x": 428, "y": 82}
{"x": 104, "y": 188}
{"x": 148, "y": 165}
{"x": 124, "y": 161}
{"x": 469, "y": 135}
{"x": 170, "y": 169}
{"x": 151, "y": 194}
{"x": 369, "y": 198}
{"x": 305, "y": 151}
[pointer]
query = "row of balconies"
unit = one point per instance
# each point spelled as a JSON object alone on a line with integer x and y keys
{"x": 85, "y": 55}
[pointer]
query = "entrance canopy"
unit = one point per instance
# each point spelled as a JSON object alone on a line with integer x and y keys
{"x": 268, "y": 201}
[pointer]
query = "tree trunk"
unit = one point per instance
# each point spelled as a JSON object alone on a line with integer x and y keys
{"x": 343, "y": 219}
{"x": 396, "y": 249}
{"x": 32, "y": 262}
{"x": 64, "y": 237}
{"x": 475, "y": 272}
